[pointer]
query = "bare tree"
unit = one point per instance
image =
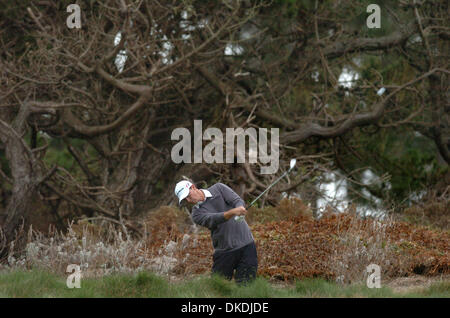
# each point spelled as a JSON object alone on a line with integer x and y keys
{"x": 138, "y": 69}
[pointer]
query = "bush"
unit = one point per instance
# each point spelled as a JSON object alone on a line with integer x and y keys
{"x": 294, "y": 245}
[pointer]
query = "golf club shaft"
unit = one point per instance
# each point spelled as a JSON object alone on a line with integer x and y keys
{"x": 268, "y": 188}
{"x": 241, "y": 217}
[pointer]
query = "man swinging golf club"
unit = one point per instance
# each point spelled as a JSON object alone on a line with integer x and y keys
{"x": 222, "y": 211}
{"x": 217, "y": 208}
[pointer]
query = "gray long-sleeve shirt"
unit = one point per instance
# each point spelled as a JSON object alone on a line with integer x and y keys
{"x": 226, "y": 235}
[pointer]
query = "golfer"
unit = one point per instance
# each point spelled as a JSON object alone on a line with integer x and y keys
{"x": 234, "y": 246}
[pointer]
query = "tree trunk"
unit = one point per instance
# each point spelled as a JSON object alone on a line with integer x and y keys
{"x": 441, "y": 128}
{"x": 26, "y": 175}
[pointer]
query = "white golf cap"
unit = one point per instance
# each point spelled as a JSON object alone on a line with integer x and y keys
{"x": 182, "y": 190}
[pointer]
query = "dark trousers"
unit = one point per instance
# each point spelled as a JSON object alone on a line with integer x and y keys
{"x": 244, "y": 260}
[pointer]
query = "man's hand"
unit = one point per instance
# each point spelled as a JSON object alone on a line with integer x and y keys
{"x": 240, "y": 210}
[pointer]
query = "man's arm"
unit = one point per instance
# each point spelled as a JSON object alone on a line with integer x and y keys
{"x": 207, "y": 219}
{"x": 211, "y": 220}
{"x": 240, "y": 210}
{"x": 231, "y": 197}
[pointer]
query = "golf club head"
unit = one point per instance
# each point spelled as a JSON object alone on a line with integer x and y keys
{"x": 292, "y": 164}
{"x": 381, "y": 91}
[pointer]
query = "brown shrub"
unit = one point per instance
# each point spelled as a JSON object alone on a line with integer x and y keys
{"x": 284, "y": 211}
{"x": 338, "y": 246}
{"x": 292, "y": 245}
{"x": 433, "y": 212}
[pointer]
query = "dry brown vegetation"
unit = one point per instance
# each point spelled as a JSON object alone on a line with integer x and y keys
{"x": 433, "y": 211}
{"x": 291, "y": 245}
{"x": 338, "y": 246}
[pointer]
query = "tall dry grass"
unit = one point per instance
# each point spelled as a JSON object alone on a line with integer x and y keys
{"x": 96, "y": 252}
{"x": 360, "y": 242}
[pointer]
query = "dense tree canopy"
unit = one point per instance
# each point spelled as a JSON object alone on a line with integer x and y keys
{"x": 87, "y": 114}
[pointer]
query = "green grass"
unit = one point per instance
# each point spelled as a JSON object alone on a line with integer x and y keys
{"x": 37, "y": 283}
{"x": 437, "y": 290}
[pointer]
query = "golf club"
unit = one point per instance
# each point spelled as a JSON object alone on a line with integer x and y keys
{"x": 291, "y": 166}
